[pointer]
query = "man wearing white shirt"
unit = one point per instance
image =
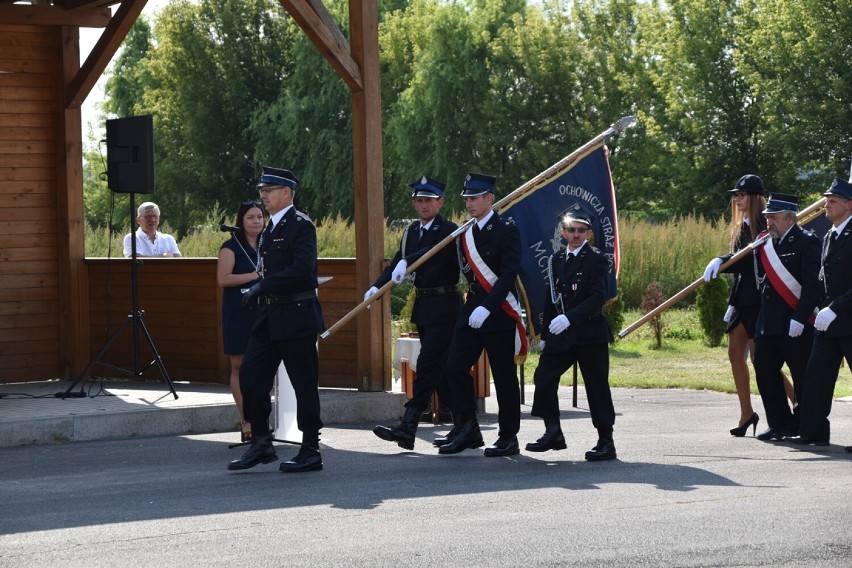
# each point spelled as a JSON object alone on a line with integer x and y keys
{"x": 833, "y": 335}
{"x": 149, "y": 241}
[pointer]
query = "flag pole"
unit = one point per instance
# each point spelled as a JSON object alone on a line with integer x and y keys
{"x": 804, "y": 216}
{"x": 512, "y": 198}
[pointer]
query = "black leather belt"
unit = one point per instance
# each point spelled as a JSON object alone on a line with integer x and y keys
{"x": 437, "y": 291}
{"x": 288, "y": 298}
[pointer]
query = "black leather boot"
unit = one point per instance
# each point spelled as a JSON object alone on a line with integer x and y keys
{"x": 403, "y": 433}
{"x": 604, "y": 449}
{"x": 552, "y": 439}
{"x": 448, "y": 437}
{"x": 260, "y": 451}
{"x": 468, "y": 436}
{"x": 308, "y": 458}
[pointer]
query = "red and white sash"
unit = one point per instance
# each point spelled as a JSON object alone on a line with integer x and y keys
{"x": 486, "y": 278}
{"x": 784, "y": 283}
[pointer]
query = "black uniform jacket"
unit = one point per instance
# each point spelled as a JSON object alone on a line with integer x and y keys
{"x": 582, "y": 281}
{"x": 799, "y": 252}
{"x": 435, "y": 277}
{"x": 499, "y": 245}
{"x": 744, "y": 289}
{"x": 290, "y": 273}
{"x": 837, "y": 282}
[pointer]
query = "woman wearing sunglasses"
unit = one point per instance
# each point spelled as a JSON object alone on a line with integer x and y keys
{"x": 237, "y": 269}
{"x": 747, "y": 203}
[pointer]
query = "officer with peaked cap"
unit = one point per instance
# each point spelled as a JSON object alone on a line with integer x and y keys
{"x": 833, "y": 335}
{"x": 287, "y": 323}
{"x": 576, "y": 331}
{"x": 436, "y": 304}
{"x": 489, "y": 254}
{"x": 786, "y": 271}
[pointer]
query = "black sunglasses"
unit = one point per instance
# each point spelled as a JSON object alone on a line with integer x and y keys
{"x": 576, "y": 229}
{"x": 251, "y": 202}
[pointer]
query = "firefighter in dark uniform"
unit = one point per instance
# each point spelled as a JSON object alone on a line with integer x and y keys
{"x": 436, "y": 304}
{"x": 785, "y": 264}
{"x": 833, "y": 335}
{"x": 575, "y": 331}
{"x": 489, "y": 254}
{"x": 288, "y": 321}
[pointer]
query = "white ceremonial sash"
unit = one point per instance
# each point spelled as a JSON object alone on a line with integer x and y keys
{"x": 784, "y": 283}
{"x": 486, "y": 278}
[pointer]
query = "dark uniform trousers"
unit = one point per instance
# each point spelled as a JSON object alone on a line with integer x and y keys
{"x": 260, "y": 362}
{"x": 833, "y": 344}
{"x": 799, "y": 252}
{"x": 287, "y": 323}
{"x": 581, "y": 280}
{"x": 435, "y": 307}
{"x": 498, "y": 244}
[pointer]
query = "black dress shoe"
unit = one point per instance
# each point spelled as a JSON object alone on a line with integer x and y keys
{"x": 308, "y": 459}
{"x": 503, "y": 447}
{"x": 775, "y": 434}
{"x": 260, "y": 451}
{"x": 448, "y": 437}
{"x": 604, "y": 450}
{"x": 848, "y": 448}
{"x": 468, "y": 436}
{"x": 553, "y": 439}
{"x": 805, "y": 441}
{"x": 403, "y": 434}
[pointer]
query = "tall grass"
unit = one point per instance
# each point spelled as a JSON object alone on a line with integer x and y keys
{"x": 673, "y": 253}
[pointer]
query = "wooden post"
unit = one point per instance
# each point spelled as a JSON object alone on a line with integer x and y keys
{"x": 72, "y": 275}
{"x": 373, "y": 332}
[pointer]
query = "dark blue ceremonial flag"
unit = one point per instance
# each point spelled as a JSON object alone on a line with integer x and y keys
{"x": 586, "y": 186}
{"x": 819, "y": 225}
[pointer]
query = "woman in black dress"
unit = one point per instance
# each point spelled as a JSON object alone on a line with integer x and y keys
{"x": 747, "y": 221}
{"x": 236, "y": 269}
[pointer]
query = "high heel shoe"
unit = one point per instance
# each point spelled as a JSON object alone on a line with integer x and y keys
{"x": 245, "y": 431}
{"x": 740, "y": 431}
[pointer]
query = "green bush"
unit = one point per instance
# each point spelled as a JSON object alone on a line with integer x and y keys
{"x": 614, "y": 312}
{"x": 712, "y": 302}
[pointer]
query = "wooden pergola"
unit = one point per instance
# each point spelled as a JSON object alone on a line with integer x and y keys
{"x": 45, "y": 298}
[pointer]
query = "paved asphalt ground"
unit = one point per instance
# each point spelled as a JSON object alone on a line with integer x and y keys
{"x": 683, "y": 492}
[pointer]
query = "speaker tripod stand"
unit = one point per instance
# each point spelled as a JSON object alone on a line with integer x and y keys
{"x": 135, "y": 319}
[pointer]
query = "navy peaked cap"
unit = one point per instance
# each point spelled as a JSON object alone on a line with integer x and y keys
{"x": 781, "y": 203}
{"x": 277, "y": 176}
{"x": 840, "y": 188}
{"x": 427, "y": 187}
{"x": 478, "y": 184}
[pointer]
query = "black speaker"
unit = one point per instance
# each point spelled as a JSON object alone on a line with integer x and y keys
{"x": 130, "y": 154}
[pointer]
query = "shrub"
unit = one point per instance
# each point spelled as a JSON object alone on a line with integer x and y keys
{"x": 614, "y": 312}
{"x": 712, "y": 302}
{"x": 651, "y": 299}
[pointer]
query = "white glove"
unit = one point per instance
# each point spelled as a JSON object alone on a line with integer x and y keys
{"x": 824, "y": 319}
{"x": 712, "y": 270}
{"x": 729, "y": 315}
{"x": 796, "y": 328}
{"x": 370, "y": 293}
{"x": 478, "y": 317}
{"x": 541, "y": 344}
{"x": 398, "y": 274}
{"x": 559, "y": 324}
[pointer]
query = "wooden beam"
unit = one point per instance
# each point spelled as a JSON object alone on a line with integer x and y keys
{"x": 373, "y": 335}
{"x": 321, "y": 29}
{"x": 73, "y": 279}
{"x": 27, "y": 14}
{"x": 83, "y": 83}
